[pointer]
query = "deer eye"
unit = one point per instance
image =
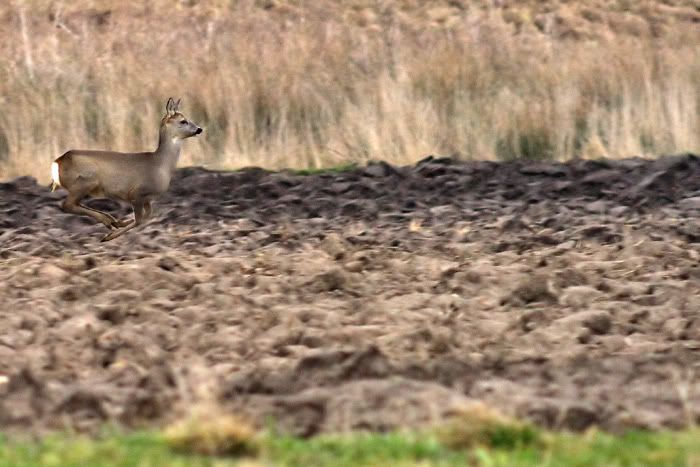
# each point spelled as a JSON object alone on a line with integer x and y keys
{"x": 183, "y": 121}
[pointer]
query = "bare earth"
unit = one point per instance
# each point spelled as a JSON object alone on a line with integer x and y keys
{"x": 376, "y": 298}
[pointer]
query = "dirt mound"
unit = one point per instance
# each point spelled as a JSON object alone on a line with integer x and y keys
{"x": 369, "y": 299}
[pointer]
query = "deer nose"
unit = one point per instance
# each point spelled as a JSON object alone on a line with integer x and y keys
{"x": 199, "y": 130}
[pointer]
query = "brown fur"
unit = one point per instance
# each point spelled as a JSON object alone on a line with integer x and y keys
{"x": 136, "y": 178}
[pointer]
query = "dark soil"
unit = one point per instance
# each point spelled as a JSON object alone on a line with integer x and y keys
{"x": 376, "y": 298}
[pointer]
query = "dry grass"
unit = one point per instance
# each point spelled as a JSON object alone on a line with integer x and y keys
{"x": 212, "y": 433}
{"x": 307, "y": 84}
{"x": 482, "y": 426}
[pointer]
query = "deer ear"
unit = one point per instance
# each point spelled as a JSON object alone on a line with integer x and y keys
{"x": 169, "y": 106}
{"x": 176, "y": 107}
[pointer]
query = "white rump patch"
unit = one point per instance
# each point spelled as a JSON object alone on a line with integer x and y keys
{"x": 54, "y": 176}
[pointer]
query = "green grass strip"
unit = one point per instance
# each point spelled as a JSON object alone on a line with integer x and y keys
{"x": 146, "y": 449}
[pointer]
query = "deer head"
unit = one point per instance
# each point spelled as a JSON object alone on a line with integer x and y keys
{"x": 175, "y": 124}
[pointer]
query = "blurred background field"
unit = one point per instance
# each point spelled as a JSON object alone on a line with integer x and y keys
{"x": 307, "y": 84}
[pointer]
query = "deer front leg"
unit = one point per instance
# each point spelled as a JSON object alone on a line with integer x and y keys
{"x": 139, "y": 207}
{"x": 147, "y": 208}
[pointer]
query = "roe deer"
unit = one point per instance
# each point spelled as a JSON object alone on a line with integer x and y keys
{"x": 136, "y": 178}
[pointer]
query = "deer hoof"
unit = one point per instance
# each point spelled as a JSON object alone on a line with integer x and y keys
{"x": 109, "y": 236}
{"x": 122, "y": 223}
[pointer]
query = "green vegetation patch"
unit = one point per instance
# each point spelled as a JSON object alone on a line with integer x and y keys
{"x": 362, "y": 450}
{"x": 332, "y": 170}
{"x": 137, "y": 449}
{"x": 521, "y": 447}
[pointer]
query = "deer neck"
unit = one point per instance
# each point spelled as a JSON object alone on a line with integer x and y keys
{"x": 168, "y": 151}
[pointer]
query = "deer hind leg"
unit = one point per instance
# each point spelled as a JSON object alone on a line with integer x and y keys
{"x": 142, "y": 210}
{"x": 114, "y": 223}
{"x": 72, "y": 205}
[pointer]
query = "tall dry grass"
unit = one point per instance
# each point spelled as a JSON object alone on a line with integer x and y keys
{"x": 308, "y": 84}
